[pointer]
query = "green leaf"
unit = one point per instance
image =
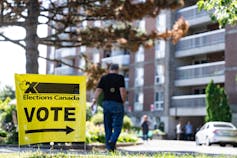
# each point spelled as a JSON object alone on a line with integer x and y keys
{"x": 200, "y": 5}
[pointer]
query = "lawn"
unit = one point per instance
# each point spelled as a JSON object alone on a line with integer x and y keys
{"x": 102, "y": 154}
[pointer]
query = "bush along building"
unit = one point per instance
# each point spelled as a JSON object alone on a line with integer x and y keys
{"x": 168, "y": 82}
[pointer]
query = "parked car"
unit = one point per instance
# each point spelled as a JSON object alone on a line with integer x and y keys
{"x": 217, "y": 133}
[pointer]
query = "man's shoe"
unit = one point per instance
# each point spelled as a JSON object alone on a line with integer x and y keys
{"x": 112, "y": 146}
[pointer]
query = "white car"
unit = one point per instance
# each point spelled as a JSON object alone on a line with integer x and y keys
{"x": 217, "y": 133}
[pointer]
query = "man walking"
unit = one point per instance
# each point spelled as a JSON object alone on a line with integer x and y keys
{"x": 113, "y": 87}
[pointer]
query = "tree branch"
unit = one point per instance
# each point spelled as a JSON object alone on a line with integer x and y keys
{"x": 60, "y": 61}
{"x": 13, "y": 41}
{"x": 11, "y": 23}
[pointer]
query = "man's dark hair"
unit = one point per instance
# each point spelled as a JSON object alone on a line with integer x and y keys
{"x": 114, "y": 67}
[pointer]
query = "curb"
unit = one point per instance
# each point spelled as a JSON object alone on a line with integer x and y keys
{"x": 74, "y": 145}
{"x": 100, "y": 146}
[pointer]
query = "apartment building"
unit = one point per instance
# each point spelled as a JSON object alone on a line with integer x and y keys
{"x": 168, "y": 82}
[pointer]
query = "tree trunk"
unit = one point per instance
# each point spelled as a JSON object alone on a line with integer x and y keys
{"x": 31, "y": 39}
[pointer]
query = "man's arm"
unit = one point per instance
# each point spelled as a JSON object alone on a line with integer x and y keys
{"x": 123, "y": 93}
{"x": 96, "y": 95}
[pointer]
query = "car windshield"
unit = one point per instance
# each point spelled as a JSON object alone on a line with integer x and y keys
{"x": 222, "y": 126}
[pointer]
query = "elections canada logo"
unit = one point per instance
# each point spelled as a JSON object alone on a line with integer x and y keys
{"x": 50, "y": 91}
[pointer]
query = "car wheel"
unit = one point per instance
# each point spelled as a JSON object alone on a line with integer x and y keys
{"x": 207, "y": 142}
{"x": 222, "y": 144}
{"x": 197, "y": 141}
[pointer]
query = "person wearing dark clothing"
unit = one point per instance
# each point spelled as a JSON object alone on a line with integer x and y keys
{"x": 145, "y": 127}
{"x": 113, "y": 87}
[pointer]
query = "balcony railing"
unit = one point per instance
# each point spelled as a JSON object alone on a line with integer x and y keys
{"x": 200, "y": 71}
{"x": 189, "y": 101}
{"x": 65, "y": 70}
{"x": 65, "y": 53}
{"x": 122, "y": 60}
{"x": 191, "y": 13}
{"x": 201, "y": 40}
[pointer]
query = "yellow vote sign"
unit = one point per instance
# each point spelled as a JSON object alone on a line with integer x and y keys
{"x": 50, "y": 108}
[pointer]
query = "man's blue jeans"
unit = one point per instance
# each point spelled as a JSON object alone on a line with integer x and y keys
{"x": 113, "y": 121}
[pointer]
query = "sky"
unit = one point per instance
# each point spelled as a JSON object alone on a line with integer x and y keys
{"x": 12, "y": 59}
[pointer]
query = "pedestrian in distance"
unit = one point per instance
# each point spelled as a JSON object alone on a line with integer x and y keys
{"x": 188, "y": 130}
{"x": 145, "y": 127}
{"x": 179, "y": 131}
{"x": 113, "y": 87}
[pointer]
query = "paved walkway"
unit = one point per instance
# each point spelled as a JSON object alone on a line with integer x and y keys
{"x": 179, "y": 147}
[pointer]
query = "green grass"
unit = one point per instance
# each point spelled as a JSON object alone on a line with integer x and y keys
{"x": 39, "y": 154}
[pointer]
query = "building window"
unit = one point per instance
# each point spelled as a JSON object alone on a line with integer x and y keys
{"x": 161, "y": 22}
{"x": 139, "y": 56}
{"x": 139, "y": 76}
{"x": 96, "y": 57}
{"x": 141, "y": 25}
{"x": 97, "y": 23}
{"x": 117, "y": 51}
{"x": 82, "y": 63}
{"x": 159, "y": 49}
{"x": 159, "y": 100}
{"x": 58, "y": 64}
{"x": 107, "y": 53}
{"x": 199, "y": 90}
{"x": 51, "y": 69}
{"x": 138, "y": 103}
{"x": 159, "y": 75}
{"x": 201, "y": 61}
{"x": 84, "y": 24}
{"x": 83, "y": 49}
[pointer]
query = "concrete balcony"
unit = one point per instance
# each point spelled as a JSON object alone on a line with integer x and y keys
{"x": 188, "y": 105}
{"x": 193, "y": 15}
{"x": 200, "y": 74}
{"x": 122, "y": 60}
{"x": 65, "y": 70}
{"x": 138, "y": 106}
{"x": 202, "y": 43}
{"x": 63, "y": 53}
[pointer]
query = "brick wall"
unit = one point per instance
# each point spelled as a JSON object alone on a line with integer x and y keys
{"x": 231, "y": 65}
{"x": 149, "y": 76}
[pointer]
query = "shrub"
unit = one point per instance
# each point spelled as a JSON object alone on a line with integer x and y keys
{"x": 94, "y": 133}
{"x": 89, "y": 113}
{"x": 127, "y": 123}
{"x": 127, "y": 137}
{"x": 217, "y": 106}
{"x": 7, "y": 123}
{"x": 97, "y": 119}
{"x": 3, "y": 133}
{"x": 158, "y": 132}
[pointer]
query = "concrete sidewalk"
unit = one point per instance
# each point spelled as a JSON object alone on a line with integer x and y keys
{"x": 174, "y": 146}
